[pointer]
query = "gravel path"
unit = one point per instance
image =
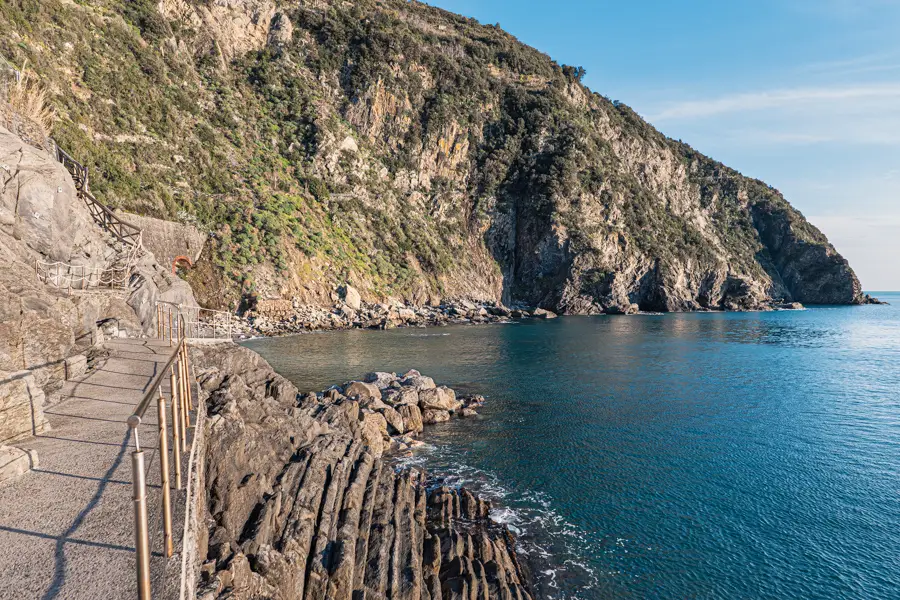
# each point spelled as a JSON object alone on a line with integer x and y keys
{"x": 67, "y": 528}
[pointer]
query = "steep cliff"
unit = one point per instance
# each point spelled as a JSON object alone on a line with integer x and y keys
{"x": 408, "y": 151}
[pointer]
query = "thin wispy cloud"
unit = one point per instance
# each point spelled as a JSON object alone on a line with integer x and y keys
{"x": 843, "y": 8}
{"x": 784, "y": 98}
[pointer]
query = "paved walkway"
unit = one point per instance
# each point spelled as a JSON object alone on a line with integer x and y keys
{"x": 67, "y": 528}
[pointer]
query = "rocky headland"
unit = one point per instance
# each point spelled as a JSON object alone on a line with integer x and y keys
{"x": 406, "y": 151}
{"x": 304, "y": 499}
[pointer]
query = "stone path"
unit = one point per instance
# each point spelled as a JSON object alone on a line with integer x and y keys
{"x": 67, "y": 528}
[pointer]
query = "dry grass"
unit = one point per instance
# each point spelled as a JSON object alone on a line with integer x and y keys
{"x": 29, "y": 99}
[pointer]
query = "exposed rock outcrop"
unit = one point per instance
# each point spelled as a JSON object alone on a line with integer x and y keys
{"x": 304, "y": 504}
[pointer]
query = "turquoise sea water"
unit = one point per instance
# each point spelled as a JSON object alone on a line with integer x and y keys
{"x": 720, "y": 455}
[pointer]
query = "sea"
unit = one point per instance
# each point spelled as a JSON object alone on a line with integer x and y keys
{"x": 697, "y": 455}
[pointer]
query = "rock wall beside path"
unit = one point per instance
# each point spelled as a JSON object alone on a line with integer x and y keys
{"x": 46, "y": 331}
{"x": 304, "y": 503}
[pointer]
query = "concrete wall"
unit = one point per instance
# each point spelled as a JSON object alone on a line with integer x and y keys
{"x": 168, "y": 239}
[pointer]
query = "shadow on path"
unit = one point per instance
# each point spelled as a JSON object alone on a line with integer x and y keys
{"x": 59, "y": 571}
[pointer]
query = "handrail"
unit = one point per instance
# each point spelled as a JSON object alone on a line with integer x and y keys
{"x": 135, "y": 419}
{"x": 79, "y": 277}
{"x": 178, "y": 370}
{"x": 121, "y": 229}
{"x": 197, "y": 322}
{"x": 112, "y": 215}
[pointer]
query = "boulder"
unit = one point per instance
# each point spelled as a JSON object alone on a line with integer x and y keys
{"x": 473, "y": 400}
{"x": 394, "y": 420}
{"x": 352, "y": 297}
{"x": 500, "y": 311}
{"x": 373, "y": 431}
{"x": 412, "y": 418}
{"x": 381, "y": 380}
{"x": 430, "y": 417}
{"x": 541, "y": 313}
{"x": 468, "y": 412}
{"x": 791, "y": 306}
{"x": 358, "y": 389}
{"x": 405, "y": 395}
{"x": 442, "y": 398}
{"x": 419, "y": 382}
{"x": 623, "y": 309}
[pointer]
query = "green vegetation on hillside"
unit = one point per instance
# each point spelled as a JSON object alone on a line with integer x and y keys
{"x": 378, "y": 144}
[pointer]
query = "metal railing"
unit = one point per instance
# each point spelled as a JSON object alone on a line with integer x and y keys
{"x": 120, "y": 229}
{"x": 78, "y": 277}
{"x": 179, "y": 405}
{"x": 197, "y": 322}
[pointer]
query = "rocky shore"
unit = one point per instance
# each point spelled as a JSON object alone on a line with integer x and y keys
{"x": 281, "y": 317}
{"x": 284, "y": 317}
{"x": 304, "y": 498}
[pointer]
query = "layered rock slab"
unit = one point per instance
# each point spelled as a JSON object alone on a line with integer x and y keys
{"x": 301, "y": 505}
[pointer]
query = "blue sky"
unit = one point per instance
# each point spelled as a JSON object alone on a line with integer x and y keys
{"x": 803, "y": 94}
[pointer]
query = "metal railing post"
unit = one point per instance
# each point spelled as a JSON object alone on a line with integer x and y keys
{"x": 141, "y": 529}
{"x": 176, "y": 439}
{"x": 185, "y": 402}
{"x": 164, "y": 474}
{"x": 185, "y": 369}
{"x": 170, "y": 326}
{"x": 178, "y": 415}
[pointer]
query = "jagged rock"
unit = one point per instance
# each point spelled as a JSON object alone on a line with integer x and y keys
{"x": 418, "y": 382}
{"x": 399, "y": 397}
{"x": 412, "y": 418}
{"x": 373, "y": 431}
{"x": 623, "y": 309}
{"x": 280, "y": 32}
{"x": 432, "y": 416}
{"x": 302, "y": 505}
{"x": 381, "y": 380}
{"x": 791, "y": 306}
{"x": 394, "y": 421}
{"x": 468, "y": 412}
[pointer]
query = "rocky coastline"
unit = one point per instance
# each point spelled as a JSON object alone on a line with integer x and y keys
{"x": 284, "y": 317}
{"x": 305, "y": 499}
{"x": 272, "y": 318}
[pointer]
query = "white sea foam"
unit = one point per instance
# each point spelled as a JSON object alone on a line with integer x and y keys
{"x": 543, "y": 534}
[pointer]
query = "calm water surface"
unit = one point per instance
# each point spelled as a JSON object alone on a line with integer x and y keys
{"x": 675, "y": 456}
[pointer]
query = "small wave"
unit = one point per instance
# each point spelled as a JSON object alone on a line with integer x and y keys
{"x": 556, "y": 548}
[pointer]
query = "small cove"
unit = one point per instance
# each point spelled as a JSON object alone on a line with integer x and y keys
{"x": 715, "y": 455}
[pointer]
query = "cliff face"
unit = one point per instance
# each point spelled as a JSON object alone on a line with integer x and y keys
{"x": 410, "y": 152}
